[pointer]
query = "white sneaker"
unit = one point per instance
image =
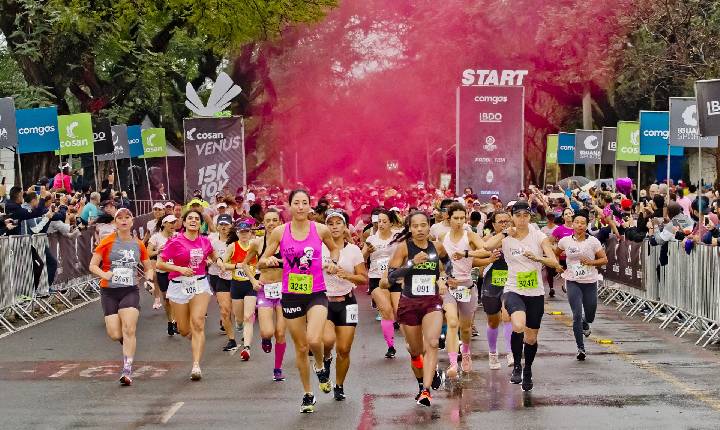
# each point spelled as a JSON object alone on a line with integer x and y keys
{"x": 196, "y": 373}
{"x": 510, "y": 360}
{"x": 494, "y": 361}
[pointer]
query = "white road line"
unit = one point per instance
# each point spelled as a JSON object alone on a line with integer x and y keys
{"x": 170, "y": 412}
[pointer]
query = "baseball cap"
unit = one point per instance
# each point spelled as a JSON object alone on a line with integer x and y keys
{"x": 107, "y": 202}
{"x": 169, "y": 204}
{"x": 225, "y": 219}
{"x": 121, "y": 210}
{"x": 520, "y": 206}
{"x": 222, "y": 205}
{"x": 242, "y": 225}
{"x": 334, "y": 214}
{"x": 495, "y": 197}
{"x": 169, "y": 218}
{"x": 158, "y": 205}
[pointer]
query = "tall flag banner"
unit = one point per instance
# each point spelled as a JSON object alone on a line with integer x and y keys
{"x": 551, "y": 149}
{"x": 76, "y": 134}
{"x": 134, "y": 134}
{"x": 684, "y": 125}
{"x": 8, "y": 128}
{"x": 707, "y": 94}
{"x": 121, "y": 147}
{"x": 214, "y": 155}
{"x": 655, "y": 133}
{"x": 566, "y": 148}
{"x": 102, "y": 136}
{"x": 588, "y": 146}
{"x": 628, "y": 142}
{"x": 609, "y": 137}
{"x": 490, "y": 140}
{"x": 154, "y": 144}
{"x": 37, "y": 130}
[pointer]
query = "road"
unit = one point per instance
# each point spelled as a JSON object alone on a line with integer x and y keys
{"x": 62, "y": 374}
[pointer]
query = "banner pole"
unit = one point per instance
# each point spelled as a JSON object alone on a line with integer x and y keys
{"x": 574, "y": 165}
{"x": 667, "y": 179}
{"x": 132, "y": 180}
{"x": 167, "y": 176}
{"x": 614, "y": 173}
{"x": 545, "y": 175}
{"x": 638, "y": 181}
{"x": 557, "y": 174}
{"x": 147, "y": 176}
{"x": 95, "y": 169}
{"x": 20, "y": 169}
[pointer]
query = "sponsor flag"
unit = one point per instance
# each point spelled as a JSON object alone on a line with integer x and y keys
{"x": 8, "y": 128}
{"x": 76, "y": 134}
{"x": 37, "y": 130}
{"x": 134, "y": 135}
{"x": 551, "y": 150}
{"x": 121, "y": 147}
{"x": 566, "y": 148}
{"x": 214, "y": 155}
{"x": 154, "y": 144}
{"x": 628, "y": 142}
{"x": 684, "y": 124}
{"x": 654, "y": 133}
{"x": 588, "y": 146}
{"x": 609, "y": 135}
{"x": 707, "y": 94}
{"x": 102, "y": 136}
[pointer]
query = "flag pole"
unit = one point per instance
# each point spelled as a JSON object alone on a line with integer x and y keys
{"x": 147, "y": 175}
{"x": 167, "y": 176}
{"x": 20, "y": 168}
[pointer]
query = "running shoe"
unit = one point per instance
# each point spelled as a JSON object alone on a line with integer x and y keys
{"x": 157, "y": 304}
{"x": 586, "y": 329}
{"x": 266, "y": 346}
{"x": 278, "y": 375}
{"x": 171, "y": 329}
{"x": 475, "y": 332}
{"x": 231, "y": 346}
{"x": 510, "y": 360}
{"x": 494, "y": 361}
{"x": 417, "y": 396}
{"x": 245, "y": 354}
{"x": 441, "y": 342}
{"x": 390, "y": 352}
{"x": 452, "y": 371}
{"x": 437, "y": 380}
{"x": 308, "y": 404}
{"x": 196, "y": 373}
{"x": 126, "y": 377}
{"x": 222, "y": 328}
{"x": 527, "y": 383}
{"x": 339, "y": 393}
{"x": 581, "y": 354}
{"x": 516, "y": 376}
{"x": 425, "y": 398}
{"x": 552, "y": 292}
{"x": 324, "y": 378}
{"x": 378, "y": 317}
{"x": 466, "y": 363}
{"x": 175, "y": 327}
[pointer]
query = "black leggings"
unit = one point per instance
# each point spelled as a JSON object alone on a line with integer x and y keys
{"x": 581, "y": 296}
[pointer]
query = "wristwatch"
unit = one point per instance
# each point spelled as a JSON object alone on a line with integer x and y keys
{"x": 467, "y": 253}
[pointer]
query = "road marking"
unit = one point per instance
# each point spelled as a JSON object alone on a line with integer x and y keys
{"x": 712, "y": 401}
{"x": 170, "y": 412}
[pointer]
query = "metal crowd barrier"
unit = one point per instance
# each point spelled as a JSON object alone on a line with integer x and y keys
{"x": 685, "y": 292}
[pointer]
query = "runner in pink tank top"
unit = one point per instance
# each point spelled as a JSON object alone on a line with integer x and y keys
{"x": 302, "y": 262}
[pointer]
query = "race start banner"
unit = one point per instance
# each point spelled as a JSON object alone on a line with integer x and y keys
{"x": 490, "y": 135}
{"x": 214, "y": 155}
{"x": 588, "y": 146}
{"x": 551, "y": 149}
{"x": 8, "y": 129}
{"x": 76, "y": 134}
{"x": 609, "y": 138}
{"x": 654, "y": 134}
{"x": 708, "y": 105}
{"x": 566, "y": 148}
{"x": 37, "y": 130}
{"x": 154, "y": 144}
{"x": 684, "y": 124}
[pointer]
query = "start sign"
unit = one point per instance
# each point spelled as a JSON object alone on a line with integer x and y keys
{"x": 471, "y": 77}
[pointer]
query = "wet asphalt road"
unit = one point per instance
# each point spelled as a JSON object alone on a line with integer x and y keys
{"x": 62, "y": 374}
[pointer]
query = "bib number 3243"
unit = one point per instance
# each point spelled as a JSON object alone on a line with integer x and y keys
{"x": 300, "y": 284}
{"x": 423, "y": 285}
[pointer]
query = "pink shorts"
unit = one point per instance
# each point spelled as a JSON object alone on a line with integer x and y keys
{"x": 264, "y": 302}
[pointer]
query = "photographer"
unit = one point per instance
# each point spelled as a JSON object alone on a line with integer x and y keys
{"x": 14, "y": 208}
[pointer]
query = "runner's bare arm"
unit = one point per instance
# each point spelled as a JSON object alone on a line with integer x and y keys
{"x": 227, "y": 265}
{"x": 494, "y": 242}
{"x": 167, "y": 267}
{"x": 600, "y": 259}
{"x": 396, "y": 271}
{"x": 358, "y": 277}
{"x": 95, "y": 267}
{"x": 271, "y": 246}
{"x": 149, "y": 271}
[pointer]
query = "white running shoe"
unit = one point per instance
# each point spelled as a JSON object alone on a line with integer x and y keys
{"x": 494, "y": 361}
{"x": 510, "y": 360}
{"x": 196, "y": 373}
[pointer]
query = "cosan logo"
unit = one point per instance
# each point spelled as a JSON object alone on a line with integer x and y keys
{"x": 635, "y": 138}
{"x": 70, "y": 129}
{"x": 190, "y": 135}
{"x": 73, "y": 143}
{"x": 713, "y": 108}
{"x": 40, "y": 131}
{"x": 656, "y": 133}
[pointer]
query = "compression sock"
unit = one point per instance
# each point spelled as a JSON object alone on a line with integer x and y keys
{"x": 388, "y": 332}
{"x": 492, "y": 336}
{"x": 279, "y": 354}
{"x": 516, "y": 342}
{"x": 507, "y": 333}
{"x": 530, "y": 351}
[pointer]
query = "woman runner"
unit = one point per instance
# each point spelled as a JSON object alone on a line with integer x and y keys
{"x": 242, "y": 290}
{"x": 461, "y": 299}
{"x": 386, "y": 296}
{"x": 584, "y": 255}
{"x": 416, "y": 262}
{"x": 220, "y": 278}
{"x": 563, "y": 230}
{"x": 119, "y": 254}
{"x": 163, "y": 232}
{"x": 342, "y": 305}
{"x": 525, "y": 251}
{"x": 304, "y": 302}
{"x": 185, "y": 256}
{"x": 269, "y": 308}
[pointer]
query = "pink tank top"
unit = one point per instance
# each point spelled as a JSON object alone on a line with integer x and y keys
{"x": 302, "y": 262}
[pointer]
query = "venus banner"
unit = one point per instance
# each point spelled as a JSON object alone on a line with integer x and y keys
{"x": 490, "y": 151}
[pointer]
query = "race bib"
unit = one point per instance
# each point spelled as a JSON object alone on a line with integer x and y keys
{"x": 123, "y": 276}
{"x": 579, "y": 270}
{"x": 272, "y": 291}
{"x": 423, "y": 285}
{"x": 381, "y": 264}
{"x": 240, "y": 275}
{"x": 189, "y": 286}
{"x": 461, "y": 294}
{"x": 527, "y": 280}
{"x": 499, "y": 277}
{"x": 300, "y": 284}
{"x": 351, "y": 314}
